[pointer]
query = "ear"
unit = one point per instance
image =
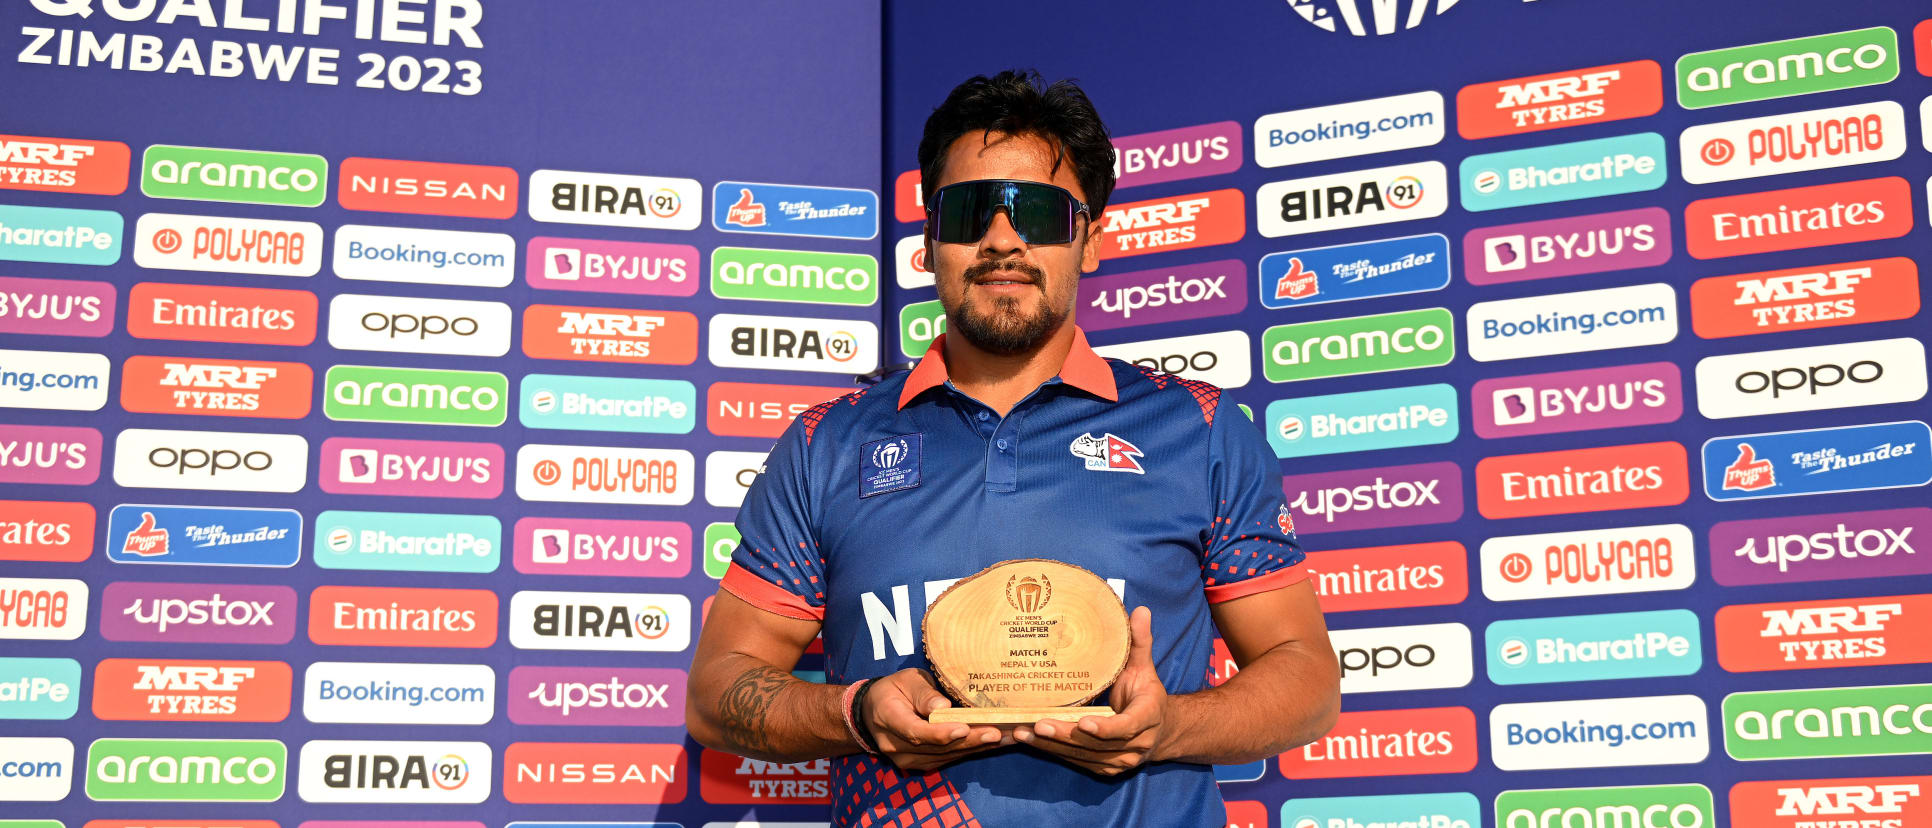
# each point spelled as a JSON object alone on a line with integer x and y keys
{"x": 1090, "y": 251}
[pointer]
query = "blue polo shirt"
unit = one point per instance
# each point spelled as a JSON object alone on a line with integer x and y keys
{"x": 873, "y": 503}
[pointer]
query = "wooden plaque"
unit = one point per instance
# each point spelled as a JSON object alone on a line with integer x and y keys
{"x": 1026, "y": 640}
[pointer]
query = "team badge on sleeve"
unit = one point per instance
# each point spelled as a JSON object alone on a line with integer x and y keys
{"x": 1107, "y": 453}
{"x": 1285, "y": 520}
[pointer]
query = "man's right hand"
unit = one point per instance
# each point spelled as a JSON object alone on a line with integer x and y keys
{"x": 895, "y": 714}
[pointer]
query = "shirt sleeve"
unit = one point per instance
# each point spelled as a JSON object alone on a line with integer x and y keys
{"x": 1250, "y": 547}
{"x": 778, "y": 566}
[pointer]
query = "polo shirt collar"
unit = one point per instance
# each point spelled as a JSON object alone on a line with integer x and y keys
{"x": 1083, "y": 369}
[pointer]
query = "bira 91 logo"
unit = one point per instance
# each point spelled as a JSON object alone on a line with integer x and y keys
{"x": 1617, "y": 645}
{"x": 794, "y": 276}
{"x": 1802, "y": 298}
{"x": 1552, "y": 248}
{"x": 186, "y": 770}
{"x": 427, "y": 188}
{"x": 1826, "y": 547}
{"x": 629, "y": 622}
{"x": 791, "y": 210}
{"x": 1841, "y": 375}
{"x": 376, "y": 394}
{"x": 1390, "y": 577}
{"x": 1388, "y": 743}
{"x": 402, "y": 617}
{"x": 1894, "y": 720}
{"x": 742, "y": 409}
{"x": 1416, "y": 495}
{"x": 1577, "y": 97}
{"x": 1688, "y": 806}
{"x": 603, "y": 266}
{"x": 643, "y": 406}
{"x": 399, "y": 324}
{"x": 1359, "y": 345}
{"x": 1177, "y": 154}
{"x": 205, "y": 535}
{"x": 1783, "y": 68}
{"x": 1150, "y": 296}
{"x": 170, "y": 241}
{"x": 198, "y": 613}
{"x": 1842, "y": 632}
{"x": 597, "y": 696}
{"x": 60, "y": 235}
{"x": 1564, "y": 172}
{"x": 1439, "y": 810}
{"x": 45, "y": 530}
{"x": 1588, "y": 562}
{"x": 395, "y": 772}
{"x": 1419, "y": 415}
{"x": 64, "y": 165}
{"x": 1582, "y": 480}
{"x": 421, "y": 256}
{"x": 413, "y": 468}
{"x": 1586, "y": 400}
{"x": 406, "y": 542}
{"x": 350, "y": 692}
{"x": 56, "y": 307}
{"x": 59, "y": 455}
{"x": 1345, "y": 130}
{"x": 787, "y": 343}
{"x": 1842, "y": 213}
{"x": 1363, "y": 270}
{"x": 221, "y": 461}
{"x": 1174, "y": 223}
{"x": 1870, "y": 802}
{"x": 594, "y": 773}
{"x": 205, "y": 313}
{"x": 1796, "y": 142}
{"x": 191, "y": 690}
{"x": 727, "y": 778}
{"x": 44, "y": 689}
{"x": 1599, "y": 733}
{"x": 599, "y": 474}
{"x": 603, "y": 548}
{"x": 216, "y": 387}
{"x": 42, "y": 609}
{"x": 1416, "y": 657}
{"x": 641, "y": 201}
{"x": 629, "y": 335}
{"x": 236, "y": 176}
{"x": 1355, "y": 199}
{"x": 1817, "y": 461}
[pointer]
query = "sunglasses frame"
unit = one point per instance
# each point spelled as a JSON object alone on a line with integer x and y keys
{"x": 1078, "y": 208}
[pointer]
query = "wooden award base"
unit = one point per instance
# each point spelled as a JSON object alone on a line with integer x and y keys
{"x": 1008, "y": 716}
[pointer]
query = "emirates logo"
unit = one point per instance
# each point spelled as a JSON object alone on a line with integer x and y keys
{"x": 1029, "y": 594}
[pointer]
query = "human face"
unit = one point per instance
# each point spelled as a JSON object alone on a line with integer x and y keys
{"x": 1001, "y": 294}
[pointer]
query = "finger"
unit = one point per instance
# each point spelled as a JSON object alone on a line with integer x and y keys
{"x": 1140, "y": 714}
{"x": 930, "y": 699}
{"x": 898, "y": 717}
{"x": 1065, "y": 733}
{"x": 1141, "y": 643}
{"x": 1075, "y": 753}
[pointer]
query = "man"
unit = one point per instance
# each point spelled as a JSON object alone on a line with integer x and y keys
{"x": 1018, "y": 441}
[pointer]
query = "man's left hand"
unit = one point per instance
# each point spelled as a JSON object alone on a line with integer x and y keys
{"x": 1113, "y": 745}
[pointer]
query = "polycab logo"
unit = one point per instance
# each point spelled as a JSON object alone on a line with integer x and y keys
{"x": 1807, "y": 635}
{"x": 621, "y": 621}
{"x": 1567, "y": 323}
{"x": 1416, "y": 495}
{"x": 743, "y": 409}
{"x": 1147, "y": 297}
{"x": 1390, "y": 577}
{"x": 395, "y": 772}
{"x": 43, "y": 530}
{"x": 792, "y": 210}
{"x": 46, "y": 689}
{"x": 1552, "y": 248}
{"x": 1359, "y": 345}
{"x": 1582, "y": 480}
{"x": 401, "y": 324}
{"x": 1817, "y": 461}
{"x": 728, "y": 476}
{"x": 1657, "y": 805}
{"x": 213, "y": 244}
{"x": 206, "y": 535}
{"x": 601, "y": 266}
{"x": 1388, "y": 743}
{"x": 631, "y": 335}
{"x": 597, "y": 696}
{"x": 428, "y": 189}
{"x": 1219, "y": 359}
{"x": 1880, "y": 802}
{"x": 1826, "y": 547}
{"x": 1783, "y": 68}
{"x": 1842, "y": 213}
{"x": 1821, "y": 377}
{"x": 1802, "y": 298}
{"x": 415, "y": 468}
{"x": 1588, "y": 562}
{"x": 200, "y": 613}
{"x": 191, "y": 690}
{"x": 422, "y": 256}
{"x": 1349, "y": 129}
{"x": 1439, "y": 810}
{"x": 237, "y": 176}
{"x": 1617, "y": 645}
{"x": 1363, "y": 270}
{"x": 59, "y": 235}
{"x": 63, "y": 165}
{"x": 1418, "y": 657}
{"x": 221, "y": 461}
{"x": 1599, "y": 733}
{"x": 53, "y": 380}
{"x": 600, "y": 474}
{"x": 186, "y": 770}
{"x": 1564, "y": 172}
{"x": 1577, "y": 97}
{"x": 650, "y": 406}
{"x": 58, "y": 455}
{"x": 37, "y": 769}
{"x": 909, "y": 257}
{"x": 794, "y": 276}
{"x": 1174, "y": 223}
{"x": 724, "y": 777}
{"x": 205, "y": 313}
{"x": 1828, "y": 722}
{"x": 1796, "y": 142}
{"x": 788, "y": 343}
{"x": 593, "y": 773}
{"x": 56, "y": 307}
{"x": 402, "y": 617}
{"x": 404, "y": 542}
{"x": 1354, "y": 199}
{"x": 384, "y": 693}
{"x": 641, "y": 201}
{"x": 1586, "y": 400}
{"x": 42, "y": 609}
{"x": 216, "y": 387}
{"x": 603, "y": 548}
{"x": 1419, "y": 415}
{"x": 1177, "y": 154}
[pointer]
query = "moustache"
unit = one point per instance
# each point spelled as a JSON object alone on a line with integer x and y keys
{"x": 978, "y": 269}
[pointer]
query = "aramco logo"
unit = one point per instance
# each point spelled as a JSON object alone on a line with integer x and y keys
{"x": 1369, "y": 17}
{"x": 1029, "y": 594}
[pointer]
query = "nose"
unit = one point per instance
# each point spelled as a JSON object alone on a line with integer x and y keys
{"x": 1001, "y": 240}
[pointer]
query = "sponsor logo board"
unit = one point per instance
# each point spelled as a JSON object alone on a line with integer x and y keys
{"x": 223, "y": 461}
{"x": 1567, "y": 323}
{"x": 1147, "y": 297}
{"x": 205, "y": 535}
{"x": 401, "y": 324}
{"x": 402, "y": 617}
{"x": 1607, "y": 478}
{"x": 573, "y": 403}
{"x": 59, "y": 235}
{"x": 421, "y": 396}
{"x": 198, "y": 613}
{"x": 216, "y": 387}
{"x": 641, "y": 201}
{"x": 1627, "y": 807}
{"x": 395, "y": 772}
{"x": 594, "y": 773}
{"x": 346, "y": 692}
{"x": 1585, "y": 400}
{"x": 57, "y": 455}
{"x": 1323, "y": 133}
{"x": 1404, "y": 192}
{"x": 213, "y": 244}
{"x": 1564, "y": 172}
{"x": 206, "y": 313}
{"x": 789, "y": 343}
{"x": 1219, "y": 358}
{"x": 1433, "y": 810}
{"x": 629, "y": 335}
{"x": 728, "y": 475}
{"x": 1419, "y": 415}
{"x": 36, "y": 769}
{"x": 604, "y": 266}
{"x": 1390, "y": 577}
{"x": 720, "y": 542}
{"x": 1340, "y": 501}
{"x": 743, "y": 409}
{"x": 1840, "y": 375}
{"x": 1836, "y": 632}
{"x": 909, "y": 258}
{"x": 1891, "y": 720}
{"x": 1388, "y": 743}
{"x": 1174, "y": 223}
{"x": 56, "y": 307}
{"x": 629, "y": 622}
{"x": 411, "y": 468}
{"x": 728, "y": 778}
{"x": 407, "y": 542}
{"x": 40, "y": 688}
{"x": 418, "y": 255}
{"x": 908, "y": 197}
{"x": 45, "y": 530}
{"x": 1551, "y": 248}
{"x": 1802, "y": 298}
{"x": 1362, "y": 270}
{"x": 191, "y": 690}
{"x": 42, "y": 609}
{"x": 792, "y": 210}
{"x": 63, "y": 165}
{"x": 919, "y": 324}
{"x": 1828, "y": 547}
{"x": 1415, "y": 657}
{"x": 285, "y": 179}
{"x": 1618, "y": 645}
{"x": 1577, "y": 97}
{"x": 1176, "y": 154}
{"x": 601, "y": 474}
{"x": 1599, "y": 733}
{"x": 603, "y": 548}
{"x": 597, "y": 696}
{"x": 1396, "y": 341}
{"x": 1817, "y": 461}
{"x": 1783, "y": 68}
{"x": 1582, "y": 562}
{"x": 1826, "y": 214}
{"x": 53, "y": 380}
{"x": 186, "y": 770}
{"x": 794, "y": 276}
{"x": 1870, "y": 802}
{"x": 427, "y": 188}
{"x": 1821, "y": 139}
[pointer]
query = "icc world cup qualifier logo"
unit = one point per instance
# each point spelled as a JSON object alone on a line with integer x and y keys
{"x": 889, "y": 454}
{"x": 1029, "y": 594}
{"x": 1369, "y": 17}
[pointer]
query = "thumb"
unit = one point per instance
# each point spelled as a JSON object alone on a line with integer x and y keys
{"x": 927, "y": 699}
{"x": 147, "y": 522}
{"x": 1141, "y": 628}
{"x": 744, "y": 199}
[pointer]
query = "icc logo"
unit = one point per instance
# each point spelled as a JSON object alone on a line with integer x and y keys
{"x": 1028, "y": 594}
{"x": 1369, "y": 17}
{"x": 889, "y": 454}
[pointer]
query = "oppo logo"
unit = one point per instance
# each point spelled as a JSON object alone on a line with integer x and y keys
{"x": 213, "y": 460}
{"x": 1180, "y": 363}
{"x": 421, "y": 327}
{"x": 1781, "y": 380}
{"x": 184, "y": 460}
{"x": 1840, "y": 375}
{"x": 1416, "y": 657}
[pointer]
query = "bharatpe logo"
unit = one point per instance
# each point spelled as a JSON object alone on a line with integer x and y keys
{"x": 1548, "y": 249}
{"x": 788, "y": 210}
{"x": 1677, "y": 806}
{"x": 1564, "y": 172}
{"x": 1177, "y": 154}
{"x": 373, "y": 394}
{"x": 1828, "y": 722}
{"x": 1369, "y": 17}
{"x": 1828, "y": 547}
{"x": 186, "y": 770}
{"x": 1415, "y": 495}
{"x": 1783, "y": 68}
{"x": 1571, "y": 648}
{"x": 1818, "y": 461}
{"x": 1569, "y": 323}
{"x": 404, "y": 542}
{"x": 596, "y": 696}
{"x": 58, "y": 235}
{"x": 199, "y": 613}
{"x": 1359, "y": 345}
{"x": 1419, "y": 415}
{"x": 1440, "y": 810}
{"x": 286, "y": 179}
{"x": 919, "y": 324}
{"x": 649, "y": 406}
{"x": 1339, "y": 201}
{"x": 1363, "y": 270}
{"x": 1841, "y": 375}
{"x": 1836, "y": 632}
{"x": 1344, "y": 130}
{"x": 1586, "y": 400}
{"x": 794, "y": 276}
{"x": 39, "y": 688}
{"x": 1153, "y": 296}
{"x": 629, "y": 622}
{"x": 1599, "y": 733}
{"x": 206, "y": 535}
{"x": 1588, "y": 562}
{"x": 339, "y": 692}
{"x": 1793, "y": 142}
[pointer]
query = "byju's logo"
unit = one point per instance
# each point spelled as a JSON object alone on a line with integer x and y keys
{"x": 1818, "y": 461}
{"x": 790, "y": 210}
{"x": 1359, "y": 345}
{"x": 1795, "y": 142}
{"x": 1363, "y": 270}
{"x": 1568, "y": 323}
{"x": 1354, "y": 199}
{"x": 369, "y": 693}
{"x": 239, "y": 176}
{"x": 59, "y": 235}
{"x": 432, "y": 772}
{"x": 1588, "y": 562}
{"x": 1369, "y": 17}
{"x": 641, "y": 201}
{"x": 1593, "y": 398}
{"x": 597, "y": 696}
{"x": 1564, "y": 172}
{"x": 1567, "y": 247}
{"x": 402, "y": 617}
{"x": 649, "y": 406}
{"x": 1839, "y": 632}
{"x": 1616, "y": 645}
{"x": 1151, "y": 296}
{"x": 601, "y": 266}
{"x": 632, "y": 622}
{"x": 1419, "y": 415}
{"x": 418, "y": 468}
{"x": 1415, "y": 495}
{"x": 206, "y": 535}
{"x": 1852, "y": 293}
{"x": 1782, "y": 68}
{"x": 603, "y": 548}
{"x": 1177, "y": 154}
{"x": 1827, "y": 547}
{"x": 1821, "y": 377}
{"x": 1599, "y": 733}
{"x": 1560, "y": 99}
{"x": 1441, "y": 810}
{"x": 59, "y": 455}
{"x": 402, "y": 542}
{"x": 204, "y": 613}
{"x": 56, "y": 307}
{"x": 1416, "y": 657}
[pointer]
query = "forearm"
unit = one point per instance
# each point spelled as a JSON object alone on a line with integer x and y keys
{"x": 748, "y": 707}
{"x": 1287, "y": 697}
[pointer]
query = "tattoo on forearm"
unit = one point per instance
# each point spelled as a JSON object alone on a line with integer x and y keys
{"x": 746, "y": 704}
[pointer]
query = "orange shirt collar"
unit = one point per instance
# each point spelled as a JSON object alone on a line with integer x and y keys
{"x": 1083, "y": 369}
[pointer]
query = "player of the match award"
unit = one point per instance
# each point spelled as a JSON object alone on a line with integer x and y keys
{"x": 1026, "y": 640}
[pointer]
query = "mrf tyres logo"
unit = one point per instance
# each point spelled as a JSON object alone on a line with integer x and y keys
{"x": 1838, "y": 632}
{"x": 1175, "y": 223}
{"x": 1893, "y": 720}
{"x": 64, "y": 165}
{"x": 176, "y": 690}
{"x": 1359, "y": 345}
{"x": 1828, "y": 547}
{"x": 1560, "y": 99}
{"x": 1851, "y": 293}
{"x": 630, "y": 622}
{"x": 1783, "y": 68}
{"x": 1870, "y": 802}
{"x": 631, "y": 335}
{"x": 1383, "y": 195}
{"x": 1416, "y": 495}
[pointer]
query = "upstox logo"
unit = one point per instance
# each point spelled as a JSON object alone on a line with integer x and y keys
{"x": 1564, "y": 172}
{"x": 1833, "y": 721}
{"x": 1615, "y": 645}
{"x": 1359, "y": 345}
{"x": 238, "y": 176}
{"x": 1654, "y": 806}
{"x": 1419, "y": 415}
{"x": 374, "y": 394}
{"x": 1783, "y": 68}
{"x": 794, "y": 276}
{"x": 186, "y": 770}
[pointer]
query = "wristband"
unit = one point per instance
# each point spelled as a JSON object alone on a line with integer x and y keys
{"x": 849, "y": 706}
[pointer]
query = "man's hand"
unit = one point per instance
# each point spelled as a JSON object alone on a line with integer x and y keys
{"x": 1113, "y": 745}
{"x": 895, "y": 714}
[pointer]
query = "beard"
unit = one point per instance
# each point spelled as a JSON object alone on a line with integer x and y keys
{"x": 1009, "y": 328}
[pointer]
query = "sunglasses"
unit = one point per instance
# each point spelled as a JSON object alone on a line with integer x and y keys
{"x": 1040, "y": 213}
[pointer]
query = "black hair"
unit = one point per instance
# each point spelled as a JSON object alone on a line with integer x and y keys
{"x": 1019, "y": 102}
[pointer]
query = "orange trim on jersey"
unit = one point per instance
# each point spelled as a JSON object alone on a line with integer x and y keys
{"x": 768, "y": 596}
{"x": 1260, "y": 583}
{"x": 1083, "y": 369}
